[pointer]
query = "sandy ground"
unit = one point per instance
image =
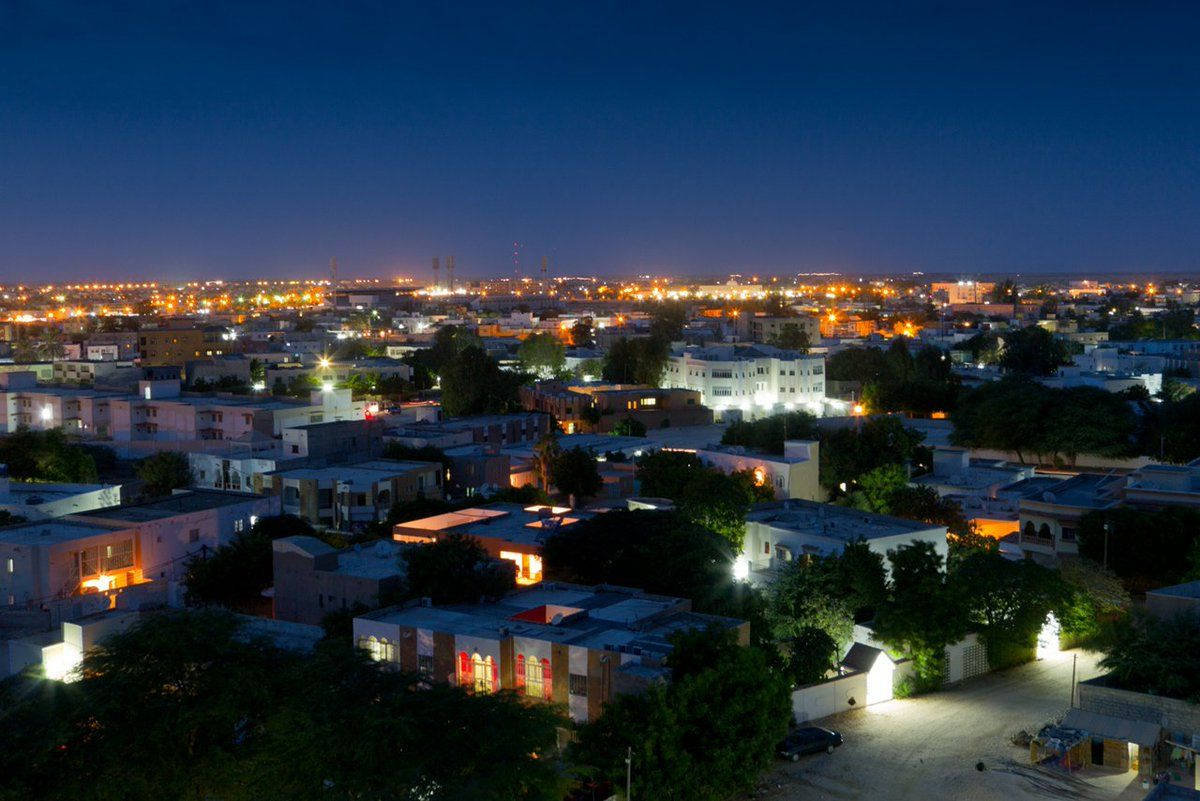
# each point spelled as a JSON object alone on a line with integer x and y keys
{"x": 926, "y": 748}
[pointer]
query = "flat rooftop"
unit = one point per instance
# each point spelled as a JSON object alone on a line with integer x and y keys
{"x": 193, "y": 500}
{"x": 510, "y": 522}
{"x": 830, "y": 521}
{"x": 50, "y": 532}
{"x": 364, "y": 472}
{"x": 1085, "y": 491}
{"x": 593, "y": 617}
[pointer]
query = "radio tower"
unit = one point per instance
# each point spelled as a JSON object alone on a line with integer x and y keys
{"x": 436, "y": 285}
{"x": 333, "y": 281}
{"x": 450, "y": 273}
{"x": 543, "y": 273}
{"x": 517, "y": 260}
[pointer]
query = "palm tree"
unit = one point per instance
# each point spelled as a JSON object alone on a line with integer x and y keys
{"x": 545, "y": 454}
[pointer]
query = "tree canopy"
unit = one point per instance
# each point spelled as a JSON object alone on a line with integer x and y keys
{"x": 46, "y": 456}
{"x": 456, "y": 569}
{"x": 576, "y": 474}
{"x": 165, "y": 471}
{"x": 473, "y": 383}
{"x": 542, "y": 354}
{"x": 234, "y": 575}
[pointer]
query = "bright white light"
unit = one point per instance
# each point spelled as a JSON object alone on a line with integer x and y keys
{"x": 258, "y": 386}
{"x": 741, "y": 568}
{"x": 47, "y": 412}
{"x": 1047, "y": 643}
{"x": 60, "y": 663}
{"x": 323, "y": 362}
{"x": 327, "y": 386}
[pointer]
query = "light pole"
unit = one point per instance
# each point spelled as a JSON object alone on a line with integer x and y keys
{"x": 1107, "y": 528}
{"x": 629, "y": 770}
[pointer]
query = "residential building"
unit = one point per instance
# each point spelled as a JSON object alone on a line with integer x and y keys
{"x": 600, "y": 407}
{"x": 560, "y": 643}
{"x": 780, "y": 532}
{"x": 313, "y": 579}
{"x": 757, "y": 381}
{"x": 490, "y": 429}
{"x": 349, "y": 496}
{"x": 766, "y": 330}
{"x": 37, "y": 500}
{"x": 1049, "y": 523}
{"x": 177, "y": 346}
{"x": 506, "y": 530}
{"x": 1168, "y": 603}
{"x": 961, "y": 292}
{"x": 86, "y": 372}
{"x": 792, "y": 474}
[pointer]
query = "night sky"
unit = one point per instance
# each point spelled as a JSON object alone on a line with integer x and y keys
{"x": 208, "y": 139}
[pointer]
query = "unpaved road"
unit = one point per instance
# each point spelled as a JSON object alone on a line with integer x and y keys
{"x": 926, "y": 749}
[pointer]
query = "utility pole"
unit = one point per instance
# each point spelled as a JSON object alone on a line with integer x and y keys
{"x": 1107, "y": 526}
{"x": 1074, "y": 659}
{"x": 629, "y": 764}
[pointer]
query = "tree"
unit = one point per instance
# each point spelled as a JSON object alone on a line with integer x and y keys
{"x": 589, "y": 369}
{"x": 800, "y": 598}
{"x": 576, "y": 475}
{"x": 628, "y": 427}
{"x": 545, "y": 454}
{"x": 47, "y": 456}
{"x": 660, "y": 552}
{"x": 472, "y": 383}
{"x": 665, "y": 474}
{"x": 1093, "y": 594}
{"x": 767, "y": 435}
{"x": 1033, "y": 351}
{"x": 812, "y": 655}
{"x": 165, "y": 471}
{"x": 581, "y": 333}
{"x": 542, "y": 354}
{"x": 875, "y": 489}
{"x": 455, "y": 570}
{"x": 234, "y": 575}
{"x": 703, "y": 736}
{"x": 636, "y": 361}
{"x": 791, "y": 337}
{"x": 719, "y": 503}
{"x": 924, "y": 612}
{"x": 1009, "y": 601}
{"x": 848, "y": 453}
{"x": 1146, "y": 548}
{"x": 667, "y": 322}
{"x": 1148, "y": 655}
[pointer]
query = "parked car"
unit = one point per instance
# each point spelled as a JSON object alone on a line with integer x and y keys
{"x": 809, "y": 740}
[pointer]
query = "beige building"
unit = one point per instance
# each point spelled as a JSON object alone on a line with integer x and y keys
{"x": 313, "y": 579}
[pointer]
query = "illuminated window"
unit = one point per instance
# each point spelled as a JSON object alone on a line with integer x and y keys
{"x": 380, "y": 650}
{"x": 578, "y": 684}
{"x": 484, "y": 674}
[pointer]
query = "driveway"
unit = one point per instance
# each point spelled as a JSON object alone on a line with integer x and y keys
{"x": 926, "y": 748}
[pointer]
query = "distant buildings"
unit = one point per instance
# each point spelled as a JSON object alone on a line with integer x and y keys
{"x": 583, "y": 407}
{"x": 349, "y": 496}
{"x": 792, "y": 474}
{"x": 559, "y": 643}
{"x": 313, "y": 579}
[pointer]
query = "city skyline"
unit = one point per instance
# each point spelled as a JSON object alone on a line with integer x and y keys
{"x": 250, "y": 142}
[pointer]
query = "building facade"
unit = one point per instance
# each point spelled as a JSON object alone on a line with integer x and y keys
{"x": 756, "y": 381}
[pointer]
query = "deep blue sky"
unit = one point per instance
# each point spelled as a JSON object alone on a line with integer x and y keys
{"x": 214, "y": 139}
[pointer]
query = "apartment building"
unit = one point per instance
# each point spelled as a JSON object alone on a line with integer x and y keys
{"x": 86, "y": 372}
{"x": 349, "y": 496}
{"x": 313, "y": 579}
{"x": 765, "y": 329}
{"x": 558, "y": 643}
{"x": 600, "y": 407}
{"x": 760, "y": 380}
{"x": 488, "y": 429}
{"x": 792, "y": 474}
{"x": 177, "y": 346}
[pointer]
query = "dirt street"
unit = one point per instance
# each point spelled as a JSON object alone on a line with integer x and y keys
{"x": 926, "y": 749}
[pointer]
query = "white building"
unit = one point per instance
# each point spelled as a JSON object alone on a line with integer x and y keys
{"x": 792, "y": 474}
{"x": 760, "y": 380}
{"x": 781, "y": 531}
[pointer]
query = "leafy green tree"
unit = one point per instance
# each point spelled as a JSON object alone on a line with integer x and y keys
{"x": 859, "y": 579}
{"x": 1009, "y": 601}
{"x": 46, "y": 456}
{"x": 702, "y": 737}
{"x": 924, "y": 613}
{"x": 636, "y": 361}
{"x": 791, "y": 337}
{"x": 1093, "y": 594}
{"x": 812, "y": 654}
{"x": 875, "y": 489}
{"x": 848, "y": 453}
{"x": 576, "y": 474}
{"x": 1033, "y": 351}
{"x": 234, "y": 575}
{"x": 667, "y": 322}
{"x": 719, "y": 503}
{"x": 542, "y": 354}
{"x": 1171, "y": 430}
{"x": 1148, "y": 655}
{"x": 473, "y": 383}
{"x": 628, "y": 427}
{"x": 456, "y": 569}
{"x": 665, "y": 474}
{"x": 589, "y": 369}
{"x": 767, "y": 434}
{"x": 661, "y": 552}
{"x": 545, "y": 454}
{"x": 581, "y": 333}
{"x": 165, "y": 471}
{"x": 1146, "y": 548}
{"x": 799, "y": 598}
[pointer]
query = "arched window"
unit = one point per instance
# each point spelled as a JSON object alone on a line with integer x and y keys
{"x": 520, "y": 673}
{"x": 384, "y": 498}
{"x": 547, "y": 680}
{"x": 464, "y": 669}
{"x": 534, "y": 677}
{"x": 1029, "y": 531}
{"x": 484, "y": 673}
{"x": 1044, "y": 532}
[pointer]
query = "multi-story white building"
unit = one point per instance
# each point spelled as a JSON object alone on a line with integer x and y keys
{"x": 159, "y": 412}
{"x": 759, "y": 380}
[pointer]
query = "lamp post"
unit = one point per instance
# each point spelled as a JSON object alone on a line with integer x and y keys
{"x": 1107, "y": 528}
{"x": 628, "y": 771}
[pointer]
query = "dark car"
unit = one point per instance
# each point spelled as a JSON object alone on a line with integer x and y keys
{"x": 809, "y": 740}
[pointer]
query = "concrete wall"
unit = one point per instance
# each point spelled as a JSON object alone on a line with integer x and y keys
{"x": 1175, "y": 716}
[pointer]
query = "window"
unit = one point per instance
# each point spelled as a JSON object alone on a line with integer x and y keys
{"x": 577, "y": 685}
{"x": 10, "y": 565}
{"x": 484, "y": 674}
{"x": 1068, "y": 534}
{"x": 818, "y": 370}
{"x": 425, "y": 664}
{"x": 194, "y": 535}
{"x": 533, "y": 678}
{"x": 237, "y": 524}
{"x": 381, "y": 650}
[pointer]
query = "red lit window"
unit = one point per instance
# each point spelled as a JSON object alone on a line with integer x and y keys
{"x": 520, "y": 675}
{"x": 547, "y": 679}
{"x": 464, "y": 668}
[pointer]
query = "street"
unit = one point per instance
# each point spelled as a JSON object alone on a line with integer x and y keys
{"x": 926, "y": 749}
